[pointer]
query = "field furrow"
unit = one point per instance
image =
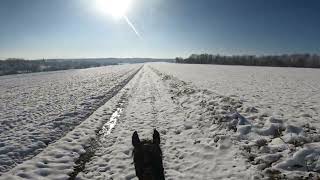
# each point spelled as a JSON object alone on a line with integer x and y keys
{"x": 38, "y": 109}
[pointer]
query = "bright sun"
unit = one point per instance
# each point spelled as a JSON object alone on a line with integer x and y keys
{"x": 115, "y": 8}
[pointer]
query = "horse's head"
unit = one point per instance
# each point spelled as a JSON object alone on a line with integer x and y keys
{"x": 147, "y": 157}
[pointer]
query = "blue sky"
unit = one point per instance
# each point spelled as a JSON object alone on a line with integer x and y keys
{"x": 169, "y": 28}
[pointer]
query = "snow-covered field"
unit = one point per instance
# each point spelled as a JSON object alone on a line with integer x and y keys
{"x": 37, "y": 109}
{"x": 292, "y": 93}
{"x": 215, "y": 122}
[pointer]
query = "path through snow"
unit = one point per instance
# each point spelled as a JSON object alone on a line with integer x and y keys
{"x": 204, "y": 135}
{"x": 189, "y": 152}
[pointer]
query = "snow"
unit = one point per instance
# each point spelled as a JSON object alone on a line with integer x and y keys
{"x": 215, "y": 122}
{"x": 57, "y": 161}
{"x": 188, "y": 153}
{"x": 292, "y": 93}
{"x": 38, "y": 109}
{"x": 277, "y": 124}
{"x": 306, "y": 159}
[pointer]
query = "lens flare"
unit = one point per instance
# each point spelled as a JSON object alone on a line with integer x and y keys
{"x": 132, "y": 26}
{"x": 117, "y": 9}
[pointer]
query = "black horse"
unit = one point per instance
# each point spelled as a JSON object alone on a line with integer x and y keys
{"x": 147, "y": 157}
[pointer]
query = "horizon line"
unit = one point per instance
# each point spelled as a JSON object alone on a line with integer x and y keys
{"x": 197, "y": 53}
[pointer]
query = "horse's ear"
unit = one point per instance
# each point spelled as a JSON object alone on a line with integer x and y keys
{"x": 135, "y": 139}
{"x": 156, "y": 137}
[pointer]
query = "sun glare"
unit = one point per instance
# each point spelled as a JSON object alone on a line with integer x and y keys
{"x": 115, "y": 8}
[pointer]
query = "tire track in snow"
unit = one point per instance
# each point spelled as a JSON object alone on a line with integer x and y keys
{"x": 67, "y": 156}
{"x": 103, "y": 133}
{"x": 186, "y": 155}
{"x": 139, "y": 114}
{"x": 48, "y": 113}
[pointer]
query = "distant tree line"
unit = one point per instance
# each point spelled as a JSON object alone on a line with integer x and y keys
{"x": 293, "y": 60}
{"x": 17, "y": 66}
